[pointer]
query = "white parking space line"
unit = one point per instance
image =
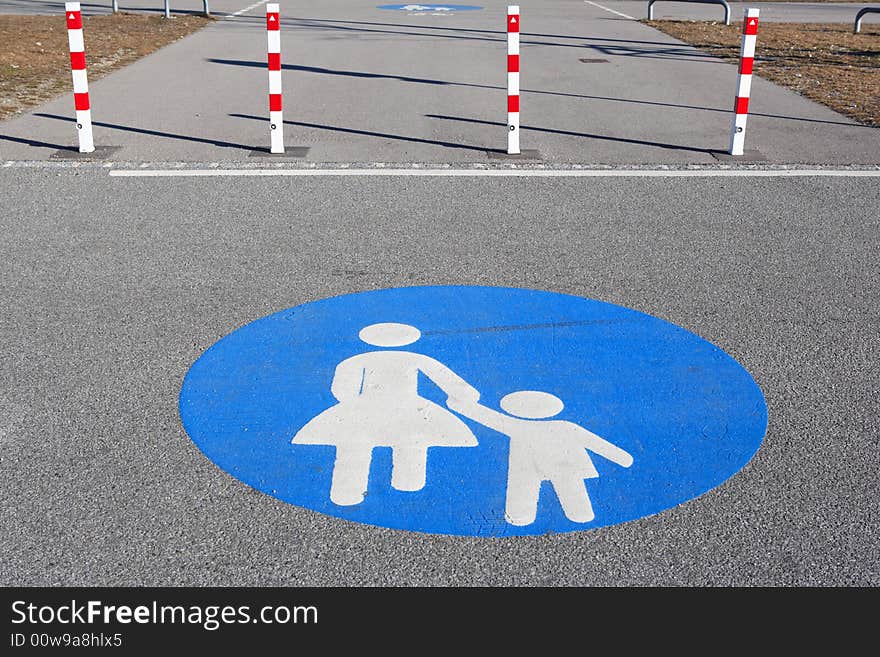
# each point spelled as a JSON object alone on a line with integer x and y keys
{"x": 596, "y": 4}
{"x": 502, "y": 173}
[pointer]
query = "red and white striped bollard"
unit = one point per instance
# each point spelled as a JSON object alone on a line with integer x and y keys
{"x": 80, "y": 78}
{"x": 276, "y": 116}
{"x": 744, "y": 82}
{"x": 513, "y": 79}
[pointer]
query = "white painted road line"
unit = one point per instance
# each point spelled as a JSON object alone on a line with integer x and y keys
{"x": 526, "y": 173}
{"x": 596, "y": 4}
{"x": 247, "y": 9}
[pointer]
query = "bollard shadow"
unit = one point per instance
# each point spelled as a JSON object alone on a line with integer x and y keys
{"x": 381, "y": 135}
{"x": 40, "y": 144}
{"x": 669, "y": 51}
{"x": 586, "y": 135}
{"x": 328, "y": 71}
{"x": 416, "y": 80}
{"x": 154, "y": 133}
{"x": 502, "y": 33}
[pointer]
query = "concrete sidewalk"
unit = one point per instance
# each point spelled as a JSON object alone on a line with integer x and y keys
{"x": 362, "y": 84}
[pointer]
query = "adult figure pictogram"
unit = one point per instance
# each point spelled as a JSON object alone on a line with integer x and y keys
{"x": 380, "y": 406}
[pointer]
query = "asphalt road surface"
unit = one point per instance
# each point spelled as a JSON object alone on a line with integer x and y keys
{"x": 114, "y": 286}
{"x": 120, "y": 271}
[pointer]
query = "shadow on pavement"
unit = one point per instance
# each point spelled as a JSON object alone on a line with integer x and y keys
{"x": 668, "y": 51}
{"x": 352, "y": 74}
{"x": 39, "y": 144}
{"x": 369, "y": 133}
{"x": 475, "y": 31}
{"x": 639, "y": 142}
{"x": 155, "y": 133}
{"x": 402, "y": 78}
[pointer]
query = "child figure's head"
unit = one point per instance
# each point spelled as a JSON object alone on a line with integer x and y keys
{"x": 532, "y": 404}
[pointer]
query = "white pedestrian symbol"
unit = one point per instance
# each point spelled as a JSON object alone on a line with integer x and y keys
{"x": 544, "y": 450}
{"x": 423, "y": 8}
{"x": 379, "y": 406}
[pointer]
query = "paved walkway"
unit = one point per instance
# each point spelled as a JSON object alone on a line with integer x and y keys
{"x": 363, "y": 84}
{"x": 806, "y": 12}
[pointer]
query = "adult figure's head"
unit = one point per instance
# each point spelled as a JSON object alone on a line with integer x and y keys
{"x": 389, "y": 334}
{"x": 532, "y": 404}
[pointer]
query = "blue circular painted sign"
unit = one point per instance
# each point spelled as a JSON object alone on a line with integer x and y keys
{"x": 419, "y": 8}
{"x": 469, "y": 410}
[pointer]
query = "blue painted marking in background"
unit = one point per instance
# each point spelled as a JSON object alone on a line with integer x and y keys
{"x": 688, "y": 413}
{"x": 415, "y": 7}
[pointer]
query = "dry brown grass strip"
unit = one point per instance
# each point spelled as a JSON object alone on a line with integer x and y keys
{"x": 824, "y": 62}
{"x": 35, "y": 60}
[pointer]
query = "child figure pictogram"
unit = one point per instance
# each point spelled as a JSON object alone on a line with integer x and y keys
{"x": 543, "y": 450}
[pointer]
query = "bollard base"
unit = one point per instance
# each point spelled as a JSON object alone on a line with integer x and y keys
{"x": 289, "y": 151}
{"x": 749, "y": 155}
{"x": 524, "y": 154}
{"x": 100, "y": 153}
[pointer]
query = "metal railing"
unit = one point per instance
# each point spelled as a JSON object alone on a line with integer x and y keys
{"x": 207, "y": 9}
{"x": 723, "y": 3}
{"x": 857, "y": 27}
